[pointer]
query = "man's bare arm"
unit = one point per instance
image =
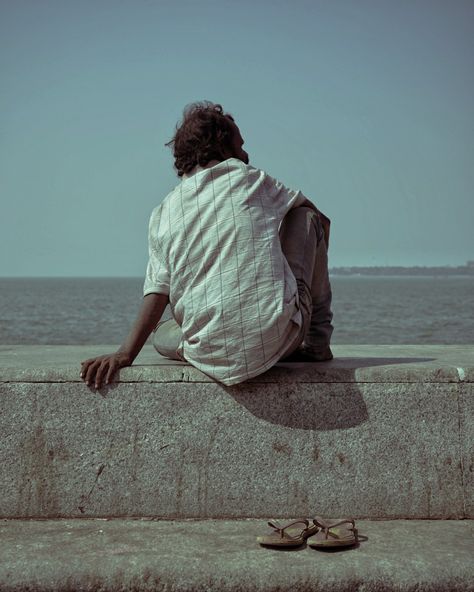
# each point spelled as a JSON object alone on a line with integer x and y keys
{"x": 104, "y": 367}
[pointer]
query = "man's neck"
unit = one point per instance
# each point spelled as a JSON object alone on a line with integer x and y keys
{"x": 198, "y": 168}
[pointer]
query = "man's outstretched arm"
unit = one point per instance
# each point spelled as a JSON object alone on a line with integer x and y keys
{"x": 104, "y": 367}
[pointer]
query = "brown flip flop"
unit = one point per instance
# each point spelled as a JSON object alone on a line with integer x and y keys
{"x": 286, "y": 536}
{"x": 334, "y": 533}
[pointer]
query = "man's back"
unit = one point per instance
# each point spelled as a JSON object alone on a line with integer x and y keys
{"x": 215, "y": 249}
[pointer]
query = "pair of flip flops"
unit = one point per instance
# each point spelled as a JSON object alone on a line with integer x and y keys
{"x": 320, "y": 533}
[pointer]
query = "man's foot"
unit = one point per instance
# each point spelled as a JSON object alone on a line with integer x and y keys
{"x": 304, "y": 354}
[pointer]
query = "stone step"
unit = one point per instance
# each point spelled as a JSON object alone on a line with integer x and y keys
{"x": 379, "y": 432}
{"x": 89, "y": 555}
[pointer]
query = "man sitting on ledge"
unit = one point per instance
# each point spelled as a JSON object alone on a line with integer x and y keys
{"x": 240, "y": 258}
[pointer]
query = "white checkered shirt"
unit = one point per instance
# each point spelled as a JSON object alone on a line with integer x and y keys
{"x": 215, "y": 250}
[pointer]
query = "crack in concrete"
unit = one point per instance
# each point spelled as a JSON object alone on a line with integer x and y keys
{"x": 205, "y": 464}
{"x": 461, "y": 454}
{"x": 186, "y": 378}
{"x": 85, "y": 498}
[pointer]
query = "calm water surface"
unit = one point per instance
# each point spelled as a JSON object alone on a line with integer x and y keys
{"x": 378, "y": 310}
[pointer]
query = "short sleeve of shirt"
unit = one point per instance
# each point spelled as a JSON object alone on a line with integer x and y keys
{"x": 282, "y": 198}
{"x": 157, "y": 277}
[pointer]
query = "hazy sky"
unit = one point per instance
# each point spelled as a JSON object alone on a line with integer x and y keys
{"x": 365, "y": 105}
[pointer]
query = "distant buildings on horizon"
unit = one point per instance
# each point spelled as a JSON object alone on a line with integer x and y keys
{"x": 443, "y": 270}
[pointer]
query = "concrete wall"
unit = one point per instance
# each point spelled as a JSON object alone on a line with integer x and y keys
{"x": 379, "y": 432}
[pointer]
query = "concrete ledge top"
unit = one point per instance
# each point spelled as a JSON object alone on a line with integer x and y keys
{"x": 352, "y": 363}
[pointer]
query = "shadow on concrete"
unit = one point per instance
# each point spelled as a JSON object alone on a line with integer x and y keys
{"x": 304, "y": 406}
{"x": 332, "y": 402}
{"x": 354, "y": 363}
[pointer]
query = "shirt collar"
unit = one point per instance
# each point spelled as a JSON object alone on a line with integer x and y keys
{"x": 198, "y": 168}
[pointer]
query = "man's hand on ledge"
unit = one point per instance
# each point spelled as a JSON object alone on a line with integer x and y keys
{"x": 103, "y": 367}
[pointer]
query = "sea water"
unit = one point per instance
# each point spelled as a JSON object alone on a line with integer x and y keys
{"x": 367, "y": 310}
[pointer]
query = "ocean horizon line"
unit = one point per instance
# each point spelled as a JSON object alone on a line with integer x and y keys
{"x": 370, "y": 270}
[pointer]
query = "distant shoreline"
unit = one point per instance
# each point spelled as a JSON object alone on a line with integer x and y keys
{"x": 400, "y": 271}
{"x": 463, "y": 271}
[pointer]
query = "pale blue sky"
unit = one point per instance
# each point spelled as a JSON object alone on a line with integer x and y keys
{"x": 364, "y": 105}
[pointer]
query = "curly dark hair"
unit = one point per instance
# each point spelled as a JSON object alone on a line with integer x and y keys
{"x": 204, "y": 134}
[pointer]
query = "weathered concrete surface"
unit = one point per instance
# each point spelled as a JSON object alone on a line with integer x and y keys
{"x": 466, "y": 428}
{"x": 385, "y": 432}
{"x": 223, "y": 556}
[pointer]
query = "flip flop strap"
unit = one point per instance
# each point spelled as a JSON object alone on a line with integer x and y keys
{"x": 279, "y": 528}
{"x": 326, "y": 526}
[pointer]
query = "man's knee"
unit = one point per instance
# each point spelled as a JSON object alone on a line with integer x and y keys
{"x": 299, "y": 217}
{"x": 306, "y": 217}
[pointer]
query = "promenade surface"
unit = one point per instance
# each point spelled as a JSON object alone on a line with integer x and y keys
{"x": 223, "y": 556}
